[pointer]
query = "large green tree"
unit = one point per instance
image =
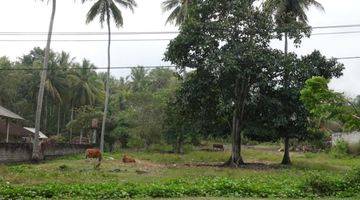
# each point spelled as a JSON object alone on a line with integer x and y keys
{"x": 280, "y": 107}
{"x": 229, "y": 39}
{"x": 107, "y": 9}
{"x": 36, "y": 147}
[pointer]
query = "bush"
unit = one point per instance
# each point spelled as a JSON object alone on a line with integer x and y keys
{"x": 135, "y": 142}
{"x": 321, "y": 185}
{"x": 64, "y": 167}
{"x": 340, "y": 149}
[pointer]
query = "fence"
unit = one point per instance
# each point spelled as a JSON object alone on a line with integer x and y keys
{"x": 21, "y": 152}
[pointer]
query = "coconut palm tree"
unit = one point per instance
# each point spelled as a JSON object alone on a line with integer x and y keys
{"x": 56, "y": 85}
{"x": 288, "y": 11}
{"x": 107, "y": 9}
{"x": 36, "y": 147}
{"x": 86, "y": 87}
{"x": 179, "y": 10}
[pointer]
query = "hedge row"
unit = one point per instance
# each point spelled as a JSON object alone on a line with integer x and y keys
{"x": 313, "y": 186}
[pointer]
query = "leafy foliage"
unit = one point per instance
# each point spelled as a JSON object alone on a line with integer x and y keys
{"x": 314, "y": 186}
{"x": 325, "y": 104}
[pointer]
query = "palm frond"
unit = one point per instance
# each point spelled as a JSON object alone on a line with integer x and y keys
{"x": 170, "y": 5}
{"x": 128, "y": 4}
{"x": 94, "y": 11}
{"x": 116, "y": 14}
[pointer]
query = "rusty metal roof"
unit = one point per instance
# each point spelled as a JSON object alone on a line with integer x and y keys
{"x": 8, "y": 114}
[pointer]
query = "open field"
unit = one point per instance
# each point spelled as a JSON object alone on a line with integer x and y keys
{"x": 171, "y": 175}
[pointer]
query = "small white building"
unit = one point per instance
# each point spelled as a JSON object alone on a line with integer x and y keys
{"x": 350, "y": 138}
{"x": 42, "y": 136}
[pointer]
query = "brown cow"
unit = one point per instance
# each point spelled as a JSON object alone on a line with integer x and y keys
{"x": 93, "y": 153}
{"x": 127, "y": 159}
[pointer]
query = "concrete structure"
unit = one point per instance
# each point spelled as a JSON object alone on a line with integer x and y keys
{"x": 22, "y": 152}
{"x": 350, "y": 138}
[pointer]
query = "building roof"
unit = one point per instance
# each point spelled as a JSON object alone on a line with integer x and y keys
{"x": 32, "y": 130}
{"x": 8, "y": 114}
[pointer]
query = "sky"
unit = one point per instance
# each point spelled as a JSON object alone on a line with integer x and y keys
{"x": 33, "y": 16}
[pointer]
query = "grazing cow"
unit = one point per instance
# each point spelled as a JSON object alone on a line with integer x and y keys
{"x": 218, "y": 147}
{"x": 127, "y": 159}
{"x": 94, "y": 153}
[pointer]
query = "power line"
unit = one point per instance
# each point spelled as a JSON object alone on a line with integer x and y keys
{"x": 336, "y": 33}
{"x": 132, "y": 67}
{"x": 36, "y": 33}
{"x": 90, "y": 33}
{"x": 142, "y": 39}
{"x": 348, "y": 58}
{"x": 87, "y": 40}
{"x": 97, "y": 68}
{"x": 336, "y": 26}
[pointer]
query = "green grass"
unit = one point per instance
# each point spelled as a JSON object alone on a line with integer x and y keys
{"x": 156, "y": 172}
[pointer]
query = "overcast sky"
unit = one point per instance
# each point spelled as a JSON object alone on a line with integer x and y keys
{"x": 33, "y": 16}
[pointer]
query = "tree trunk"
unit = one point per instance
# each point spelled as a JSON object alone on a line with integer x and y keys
{"x": 81, "y": 135}
{"x": 46, "y": 113}
{"x": 36, "y": 147}
{"x": 58, "y": 121}
{"x": 286, "y": 159}
{"x": 7, "y": 130}
{"x": 107, "y": 93}
{"x": 94, "y": 136}
{"x": 236, "y": 158}
{"x": 71, "y": 119}
{"x": 179, "y": 145}
{"x": 286, "y": 44}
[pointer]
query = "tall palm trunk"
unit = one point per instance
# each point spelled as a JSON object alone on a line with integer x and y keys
{"x": 286, "y": 43}
{"x": 36, "y": 147}
{"x": 286, "y": 158}
{"x": 46, "y": 112}
{"x": 81, "y": 135}
{"x": 107, "y": 94}
{"x": 71, "y": 119}
{"x": 58, "y": 119}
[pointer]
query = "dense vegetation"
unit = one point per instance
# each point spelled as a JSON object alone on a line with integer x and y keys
{"x": 238, "y": 86}
{"x": 239, "y": 90}
{"x": 170, "y": 175}
{"x": 74, "y": 94}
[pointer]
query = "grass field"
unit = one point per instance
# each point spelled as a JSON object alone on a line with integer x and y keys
{"x": 174, "y": 175}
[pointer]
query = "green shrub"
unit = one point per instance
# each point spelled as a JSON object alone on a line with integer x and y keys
{"x": 135, "y": 142}
{"x": 340, "y": 149}
{"x": 64, "y": 167}
{"x": 321, "y": 185}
